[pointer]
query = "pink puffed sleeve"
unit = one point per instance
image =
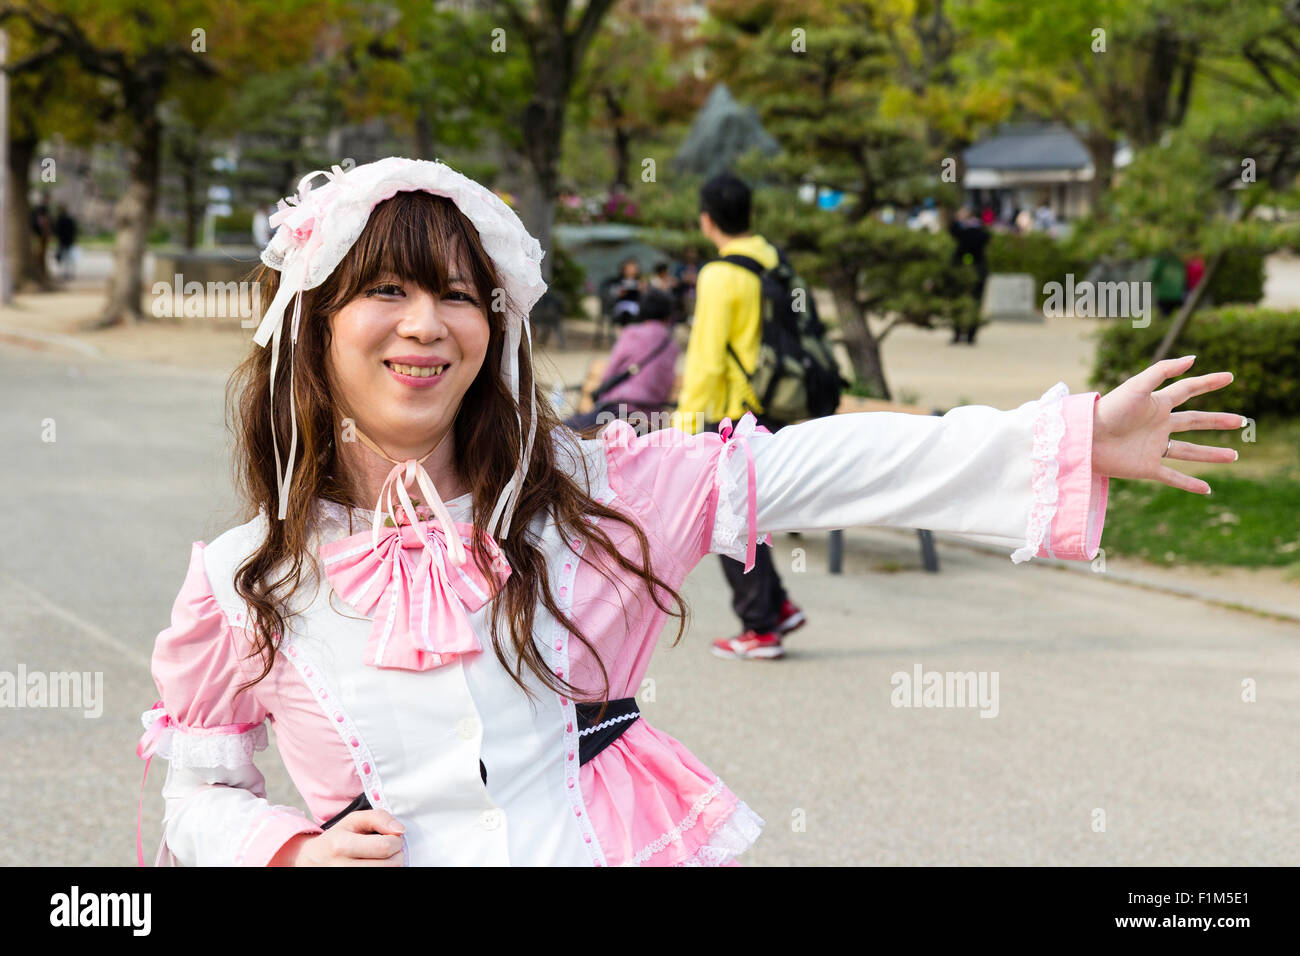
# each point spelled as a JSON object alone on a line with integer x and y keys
{"x": 674, "y": 479}
{"x": 217, "y": 813}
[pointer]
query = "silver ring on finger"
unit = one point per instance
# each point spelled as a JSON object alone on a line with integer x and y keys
{"x": 1168, "y": 444}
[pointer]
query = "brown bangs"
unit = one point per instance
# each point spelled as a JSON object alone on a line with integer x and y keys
{"x": 419, "y": 238}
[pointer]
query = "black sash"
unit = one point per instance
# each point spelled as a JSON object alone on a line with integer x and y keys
{"x": 593, "y": 737}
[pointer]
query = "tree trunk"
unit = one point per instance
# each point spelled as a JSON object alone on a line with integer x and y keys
{"x": 423, "y": 135}
{"x": 24, "y": 266}
{"x": 132, "y": 218}
{"x": 1102, "y": 150}
{"x": 622, "y": 141}
{"x": 543, "y": 130}
{"x": 861, "y": 344}
{"x": 189, "y": 196}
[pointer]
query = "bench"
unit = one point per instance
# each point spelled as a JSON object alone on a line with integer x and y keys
{"x": 849, "y": 404}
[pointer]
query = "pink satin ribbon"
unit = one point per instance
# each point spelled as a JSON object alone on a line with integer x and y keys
{"x": 418, "y": 599}
{"x": 740, "y": 436}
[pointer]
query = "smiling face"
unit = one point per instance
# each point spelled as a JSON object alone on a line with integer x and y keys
{"x": 401, "y": 359}
{"x": 408, "y": 328}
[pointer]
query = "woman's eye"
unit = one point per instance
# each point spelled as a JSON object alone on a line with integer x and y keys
{"x": 387, "y": 288}
{"x": 464, "y": 296}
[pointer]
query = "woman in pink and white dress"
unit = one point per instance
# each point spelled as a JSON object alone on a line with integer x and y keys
{"x": 451, "y": 674}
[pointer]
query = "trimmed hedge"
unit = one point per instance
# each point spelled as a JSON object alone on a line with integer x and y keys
{"x": 1261, "y": 347}
{"x": 1037, "y": 253}
{"x": 1239, "y": 278}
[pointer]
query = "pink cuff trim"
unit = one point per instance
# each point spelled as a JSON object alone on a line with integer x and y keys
{"x": 1075, "y": 531}
{"x": 272, "y": 830}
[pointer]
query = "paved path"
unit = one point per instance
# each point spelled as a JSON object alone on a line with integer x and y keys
{"x": 1110, "y": 698}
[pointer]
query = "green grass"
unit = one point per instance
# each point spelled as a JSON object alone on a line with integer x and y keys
{"x": 1247, "y": 522}
{"x": 1252, "y": 519}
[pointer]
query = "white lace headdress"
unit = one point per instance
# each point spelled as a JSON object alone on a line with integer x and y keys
{"x": 318, "y": 226}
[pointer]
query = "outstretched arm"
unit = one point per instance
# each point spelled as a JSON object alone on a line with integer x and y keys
{"x": 1033, "y": 478}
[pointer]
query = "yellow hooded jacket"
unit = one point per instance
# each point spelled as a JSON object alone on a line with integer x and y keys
{"x": 727, "y": 309}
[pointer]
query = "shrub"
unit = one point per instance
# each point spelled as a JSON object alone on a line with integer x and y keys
{"x": 1239, "y": 278}
{"x": 567, "y": 278}
{"x": 1036, "y": 253}
{"x": 1261, "y": 347}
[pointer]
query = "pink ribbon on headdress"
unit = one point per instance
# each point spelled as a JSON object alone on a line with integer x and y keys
{"x": 731, "y": 439}
{"x": 292, "y": 280}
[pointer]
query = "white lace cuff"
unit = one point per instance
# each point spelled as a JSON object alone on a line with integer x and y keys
{"x": 1049, "y": 428}
{"x": 736, "y": 835}
{"x": 195, "y": 747}
{"x": 730, "y": 534}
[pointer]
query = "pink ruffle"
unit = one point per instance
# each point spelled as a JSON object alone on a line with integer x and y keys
{"x": 651, "y": 801}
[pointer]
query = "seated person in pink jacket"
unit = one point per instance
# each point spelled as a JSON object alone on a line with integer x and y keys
{"x": 638, "y": 380}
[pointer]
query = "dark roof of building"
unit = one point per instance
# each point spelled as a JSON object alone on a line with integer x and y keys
{"x": 1029, "y": 146}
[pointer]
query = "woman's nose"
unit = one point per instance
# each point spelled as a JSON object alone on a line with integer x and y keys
{"x": 422, "y": 318}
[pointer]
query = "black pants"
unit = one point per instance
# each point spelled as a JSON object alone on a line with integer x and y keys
{"x": 756, "y": 597}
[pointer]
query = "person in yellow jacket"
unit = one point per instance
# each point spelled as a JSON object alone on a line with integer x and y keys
{"x": 728, "y": 310}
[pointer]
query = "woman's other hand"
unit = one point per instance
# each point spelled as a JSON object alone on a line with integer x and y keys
{"x": 1133, "y": 422}
{"x": 362, "y": 838}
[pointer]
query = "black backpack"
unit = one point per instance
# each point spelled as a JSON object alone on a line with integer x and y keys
{"x": 796, "y": 376}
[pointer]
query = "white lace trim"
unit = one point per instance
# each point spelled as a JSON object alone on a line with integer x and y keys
{"x": 559, "y": 656}
{"x": 736, "y": 835}
{"x": 676, "y": 832}
{"x": 731, "y": 519}
{"x": 610, "y": 723}
{"x": 1049, "y": 428}
{"x": 338, "y": 211}
{"x": 459, "y": 508}
{"x": 184, "y": 749}
{"x": 330, "y": 701}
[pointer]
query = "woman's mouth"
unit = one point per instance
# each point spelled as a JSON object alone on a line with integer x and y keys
{"x": 417, "y": 375}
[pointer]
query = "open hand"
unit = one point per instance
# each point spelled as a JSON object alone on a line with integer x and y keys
{"x": 1132, "y": 424}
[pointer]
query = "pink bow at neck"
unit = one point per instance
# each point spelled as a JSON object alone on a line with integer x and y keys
{"x": 419, "y": 600}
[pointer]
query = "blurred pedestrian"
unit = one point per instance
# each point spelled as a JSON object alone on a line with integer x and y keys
{"x": 685, "y": 272}
{"x": 725, "y": 340}
{"x": 626, "y": 292}
{"x": 971, "y": 239}
{"x": 1169, "y": 282}
{"x": 42, "y": 229}
{"x": 638, "y": 381}
{"x": 65, "y": 234}
{"x": 662, "y": 279}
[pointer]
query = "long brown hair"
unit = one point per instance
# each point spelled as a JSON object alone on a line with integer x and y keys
{"x": 415, "y": 236}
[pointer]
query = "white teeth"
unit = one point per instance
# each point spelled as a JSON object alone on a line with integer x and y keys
{"x": 416, "y": 371}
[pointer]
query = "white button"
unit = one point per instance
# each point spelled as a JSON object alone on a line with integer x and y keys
{"x": 468, "y": 727}
{"x": 492, "y": 819}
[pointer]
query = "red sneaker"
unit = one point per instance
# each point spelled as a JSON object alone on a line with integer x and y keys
{"x": 750, "y": 645}
{"x": 791, "y": 618}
